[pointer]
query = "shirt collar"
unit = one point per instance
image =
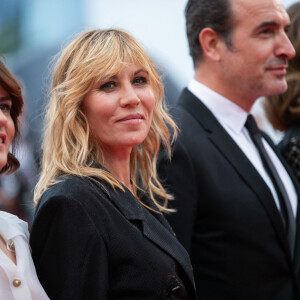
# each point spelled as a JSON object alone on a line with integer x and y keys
{"x": 226, "y": 112}
{"x": 11, "y": 226}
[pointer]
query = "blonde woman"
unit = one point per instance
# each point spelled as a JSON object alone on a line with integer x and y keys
{"x": 18, "y": 279}
{"x": 99, "y": 230}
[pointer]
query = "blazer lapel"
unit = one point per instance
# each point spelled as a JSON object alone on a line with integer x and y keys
{"x": 155, "y": 228}
{"x": 166, "y": 240}
{"x": 231, "y": 151}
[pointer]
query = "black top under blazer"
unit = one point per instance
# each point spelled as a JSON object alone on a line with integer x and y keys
{"x": 227, "y": 218}
{"x": 93, "y": 242}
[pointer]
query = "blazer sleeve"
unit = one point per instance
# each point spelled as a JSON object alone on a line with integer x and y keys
{"x": 179, "y": 179}
{"x": 69, "y": 253}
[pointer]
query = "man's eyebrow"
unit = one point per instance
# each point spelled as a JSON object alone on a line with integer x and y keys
{"x": 5, "y": 98}
{"x": 266, "y": 24}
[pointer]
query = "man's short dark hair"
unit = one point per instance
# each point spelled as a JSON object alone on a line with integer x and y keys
{"x": 215, "y": 14}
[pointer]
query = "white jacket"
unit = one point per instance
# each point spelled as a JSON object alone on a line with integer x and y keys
{"x": 18, "y": 282}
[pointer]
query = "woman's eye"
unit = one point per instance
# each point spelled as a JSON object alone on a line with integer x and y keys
{"x": 108, "y": 86}
{"x": 5, "y": 108}
{"x": 140, "y": 80}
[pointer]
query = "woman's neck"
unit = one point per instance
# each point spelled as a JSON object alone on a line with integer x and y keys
{"x": 118, "y": 163}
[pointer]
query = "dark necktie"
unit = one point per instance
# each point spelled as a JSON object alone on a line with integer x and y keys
{"x": 285, "y": 205}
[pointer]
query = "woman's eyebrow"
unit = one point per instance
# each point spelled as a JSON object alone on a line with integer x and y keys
{"x": 5, "y": 98}
{"x": 140, "y": 70}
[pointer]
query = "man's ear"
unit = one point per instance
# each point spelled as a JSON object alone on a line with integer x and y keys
{"x": 210, "y": 42}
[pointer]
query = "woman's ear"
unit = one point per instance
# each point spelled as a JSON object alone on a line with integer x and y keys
{"x": 210, "y": 42}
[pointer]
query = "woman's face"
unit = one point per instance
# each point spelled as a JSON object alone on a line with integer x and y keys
{"x": 119, "y": 109}
{"x": 7, "y": 127}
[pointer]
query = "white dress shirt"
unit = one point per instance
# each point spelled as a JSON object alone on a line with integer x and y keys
{"x": 18, "y": 281}
{"x": 232, "y": 117}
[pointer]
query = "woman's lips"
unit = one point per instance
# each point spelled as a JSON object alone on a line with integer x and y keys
{"x": 132, "y": 117}
{"x": 2, "y": 138}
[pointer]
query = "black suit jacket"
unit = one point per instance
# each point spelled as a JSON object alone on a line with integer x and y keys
{"x": 227, "y": 218}
{"x": 92, "y": 242}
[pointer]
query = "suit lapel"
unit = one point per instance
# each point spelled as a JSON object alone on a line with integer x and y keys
{"x": 233, "y": 154}
{"x": 155, "y": 228}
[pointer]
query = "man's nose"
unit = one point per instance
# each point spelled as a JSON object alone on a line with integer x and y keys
{"x": 285, "y": 48}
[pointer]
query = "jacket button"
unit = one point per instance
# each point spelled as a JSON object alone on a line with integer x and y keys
{"x": 16, "y": 282}
{"x": 175, "y": 289}
{"x": 11, "y": 246}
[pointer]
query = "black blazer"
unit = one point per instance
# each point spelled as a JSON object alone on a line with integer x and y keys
{"x": 227, "y": 218}
{"x": 90, "y": 242}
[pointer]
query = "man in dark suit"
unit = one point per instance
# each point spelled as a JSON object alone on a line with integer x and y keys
{"x": 236, "y": 217}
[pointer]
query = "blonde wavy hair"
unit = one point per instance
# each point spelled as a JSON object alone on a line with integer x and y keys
{"x": 69, "y": 146}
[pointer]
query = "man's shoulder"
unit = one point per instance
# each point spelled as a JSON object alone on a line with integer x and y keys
{"x": 190, "y": 114}
{"x": 184, "y": 105}
{"x": 186, "y": 98}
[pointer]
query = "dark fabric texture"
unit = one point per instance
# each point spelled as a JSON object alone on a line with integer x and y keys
{"x": 290, "y": 148}
{"x": 227, "y": 218}
{"x": 92, "y": 242}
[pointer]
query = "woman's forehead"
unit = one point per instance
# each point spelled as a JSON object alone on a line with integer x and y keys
{"x": 4, "y": 95}
{"x": 117, "y": 68}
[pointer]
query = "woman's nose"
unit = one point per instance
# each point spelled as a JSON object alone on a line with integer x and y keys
{"x": 3, "y": 118}
{"x": 129, "y": 97}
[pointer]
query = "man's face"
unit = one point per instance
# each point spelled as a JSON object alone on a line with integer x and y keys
{"x": 256, "y": 63}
